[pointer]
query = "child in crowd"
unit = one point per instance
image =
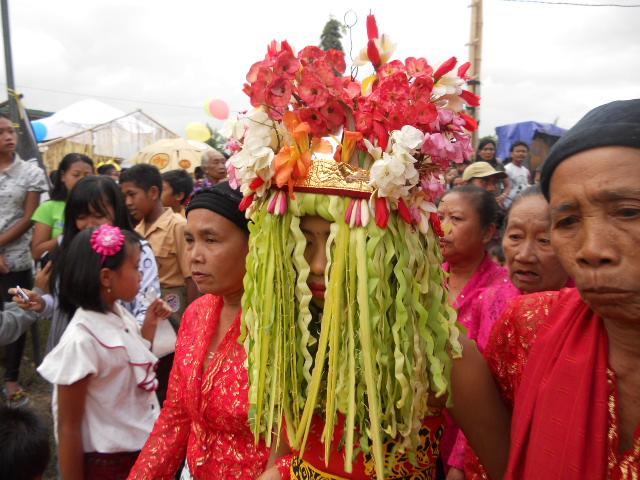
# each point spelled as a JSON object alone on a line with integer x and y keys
{"x": 104, "y": 405}
{"x": 49, "y": 216}
{"x": 94, "y": 201}
{"x": 24, "y": 444}
{"x": 177, "y": 186}
{"x": 164, "y": 230}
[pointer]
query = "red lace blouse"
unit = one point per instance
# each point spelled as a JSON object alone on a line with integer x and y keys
{"x": 507, "y": 353}
{"x": 205, "y": 413}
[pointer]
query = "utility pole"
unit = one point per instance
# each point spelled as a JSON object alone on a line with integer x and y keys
{"x": 8, "y": 65}
{"x": 475, "y": 57}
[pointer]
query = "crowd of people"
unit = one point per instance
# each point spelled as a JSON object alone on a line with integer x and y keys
{"x": 149, "y": 280}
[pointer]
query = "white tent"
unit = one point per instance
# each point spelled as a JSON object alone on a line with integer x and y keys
{"x": 98, "y": 130}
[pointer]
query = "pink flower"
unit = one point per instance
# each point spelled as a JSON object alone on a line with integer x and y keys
{"x": 107, "y": 241}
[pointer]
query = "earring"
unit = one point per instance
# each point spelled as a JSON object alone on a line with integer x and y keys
{"x": 109, "y": 290}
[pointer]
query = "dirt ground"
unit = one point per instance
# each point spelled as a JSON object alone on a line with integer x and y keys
{"x": 37, "y": 388}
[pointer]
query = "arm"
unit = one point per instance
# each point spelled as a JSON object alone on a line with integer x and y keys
{"x": 479, "y": 410}
{"x": 71, "y": 400}
{"x": 279, "y": 462}
{"x": 22, "y": 225}
{"x": 158, "y": 310}
{"x": 14, "y": 322}
{"x": 41, "y": 241}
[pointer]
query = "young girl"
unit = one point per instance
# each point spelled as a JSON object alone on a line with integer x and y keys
{"x": 104, "y": 404}
{"x": 49, "y": 216}
{"x": 93, "y": 201}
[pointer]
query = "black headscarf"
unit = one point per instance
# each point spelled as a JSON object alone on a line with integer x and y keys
{"x": 223, "y": 200}
{"x": 612, "y": 124}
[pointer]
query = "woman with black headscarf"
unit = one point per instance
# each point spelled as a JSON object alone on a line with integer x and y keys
{"x": 205, "y": 413}
{"x": 568, "y": 361}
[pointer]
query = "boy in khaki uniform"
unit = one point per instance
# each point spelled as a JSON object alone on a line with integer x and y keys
{"x": 164, "y": 230}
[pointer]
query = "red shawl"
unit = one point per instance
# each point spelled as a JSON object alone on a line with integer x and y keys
{"x": 559, "y": 428}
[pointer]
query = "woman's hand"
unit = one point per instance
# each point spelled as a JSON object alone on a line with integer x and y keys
{"x": 158, "y": 310}
{"x": 455, "y": 474}
{"x": 34, "y": 304}
{"x": 270, "y": 474}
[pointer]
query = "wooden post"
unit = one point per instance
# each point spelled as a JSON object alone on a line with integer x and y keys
{"x": 475, "y": 57}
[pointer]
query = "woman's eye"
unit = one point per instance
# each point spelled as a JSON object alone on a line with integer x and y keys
{"x": 566, "y": 222}
{"x": 515, "y": 237}
{"x": 544, "y": 241}
{"x": 628, "y": 212}
{"x": 188, "y": 240}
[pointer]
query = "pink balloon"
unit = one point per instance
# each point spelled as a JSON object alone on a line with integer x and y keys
{"x": 219, "y": 109}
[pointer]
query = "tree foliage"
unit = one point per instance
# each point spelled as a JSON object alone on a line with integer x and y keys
{"x": 331, "y": 35}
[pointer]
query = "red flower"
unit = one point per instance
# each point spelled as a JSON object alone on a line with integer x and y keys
{"x": 333, "y": 112}
{"x": 471, "y": 99}
{"x": 391, "y": 68}
{"x": 309, "y": 55}
{"x": 426, "y": 112}
{"x": 317, "y": 123}
{"x": 470, "y": 123}
{"x": 445, "y": 68}
{"x": 246, "y": 202}
{"x": 279, "y": 92}
{"x": 372, "y": 27}
{"x": 421, "y": 88}
{"x": 382, "y": 212}
{"x": 434, "y": 219}
{"x": 335, "y": 59}
{"x": 312, "y": 92}
{"x": 463, "y": 69}
{"x": 403, "y": 211}
{"x": 373, "y": 54}
{"x": 418, "y": 67}
{"x": 286, "y": 65}
{"x": 256, "y": 183}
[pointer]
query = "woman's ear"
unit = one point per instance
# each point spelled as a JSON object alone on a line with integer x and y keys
{"x": 488, "y": 234}
{"x": 181, "y": 197}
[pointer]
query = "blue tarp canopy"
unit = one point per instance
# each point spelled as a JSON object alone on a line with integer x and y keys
{"x": 524, "y": 131}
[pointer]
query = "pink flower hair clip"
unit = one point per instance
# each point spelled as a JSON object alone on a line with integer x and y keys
{"x": 107, "y": 241}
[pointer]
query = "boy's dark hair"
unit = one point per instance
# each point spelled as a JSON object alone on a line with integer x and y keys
{"x": 5, "y": 116}
{"x": 24, "y": 444}
{"x": 180, "y": 181}
{"x": 59, "y": 190}
{"x": 519, "y": 143}
{"x": 143, "y": 176}
{"x": 77, "y": 271}
{"x": 106, "y": 169}
{"x": 483, "y": 202}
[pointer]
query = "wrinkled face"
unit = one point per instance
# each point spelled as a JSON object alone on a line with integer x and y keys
{"x": 532, "y": 262}
{"x": 213, "y": 166}
{"x": 488, "y": 152}
{"x": 450, "y": 175}
{"x": 218, "y": 249}
{"x": 595, "y": 228}
{"x": 139, "y": 202}
{"x": 8, "y": 136}
{"x": 519, "y": 155}
{"x": 465, "y": 238}
{"x": 316, "y": 230}
{"x": 76, "y": 172}
{"x": 95, "y": 218}
{"x": 126, "y": 279}
{"x": 490, "y": 184}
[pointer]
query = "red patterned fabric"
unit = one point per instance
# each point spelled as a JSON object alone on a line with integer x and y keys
{"x": 565, "y": 389}
{"x": 205, "y": 415}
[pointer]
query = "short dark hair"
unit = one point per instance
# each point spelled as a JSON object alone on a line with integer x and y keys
{"x": 78, "y": 272}
{"x": 106, "y": 169}
{"x": 519, "y": 143}
{"x": 5, "y": 116}
{"x": 180, "y": 181}
{"x": 483, "y": 202}
{"x": 59, "y": 190}
{"x": 143, "y": 176}
{"x": 24, "y": 444}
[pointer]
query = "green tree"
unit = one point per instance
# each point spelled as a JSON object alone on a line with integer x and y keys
{"x": 217, "y": 140}
{"x": 331, "y": 35}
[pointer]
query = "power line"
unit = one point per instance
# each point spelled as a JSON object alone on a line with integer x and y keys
{"x": 576, "y": 4}
{"x": 191, "y": 107}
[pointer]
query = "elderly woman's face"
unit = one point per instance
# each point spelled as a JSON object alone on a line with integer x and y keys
{"x": 595, "y": 221}
{"x": 217, "y": 248}
{"x": 466, "y": 238}
{"x": 532, "y": 263}
{"x": 316, "y": 230}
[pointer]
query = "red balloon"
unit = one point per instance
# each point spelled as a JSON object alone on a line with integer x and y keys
{"x": 219, "y": 109}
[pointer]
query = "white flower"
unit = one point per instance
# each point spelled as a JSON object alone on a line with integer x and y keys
{"x": 408, "y": 137}
{"x": 424, "y": 208}
{"x": 447, "y": 85}
{"x": 393, "y": 175}
{"x": 375, "y": 152}
{"x": 385, "y": 48}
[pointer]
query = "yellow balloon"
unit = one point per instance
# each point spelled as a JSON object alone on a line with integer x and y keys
{"x": 198, "y": 131}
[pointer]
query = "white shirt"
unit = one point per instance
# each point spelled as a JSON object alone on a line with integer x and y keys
{"x": 121, "y": 405}
{"x": 519, "y": 177}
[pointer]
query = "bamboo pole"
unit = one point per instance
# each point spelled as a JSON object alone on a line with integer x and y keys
{"x": 475, "y": 56}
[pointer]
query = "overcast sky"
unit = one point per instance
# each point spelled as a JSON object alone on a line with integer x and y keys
{"x": 540, "y": 62}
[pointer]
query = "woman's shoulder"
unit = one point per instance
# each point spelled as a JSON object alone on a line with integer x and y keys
{"x": 201, "y": 309}
{"x": 46, "y": 210}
